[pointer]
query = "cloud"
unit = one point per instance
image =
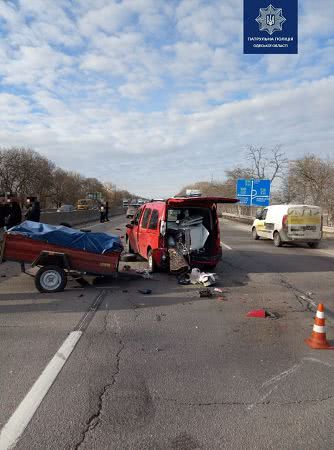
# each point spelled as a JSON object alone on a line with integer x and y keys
{"x": 125, "y": 89}
{"x": 316, "y": 20}
{"x": 34, "y": 65}
{"x": 214, "y": 22}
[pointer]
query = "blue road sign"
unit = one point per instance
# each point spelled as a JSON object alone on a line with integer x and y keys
{"x": 253, "y": 192}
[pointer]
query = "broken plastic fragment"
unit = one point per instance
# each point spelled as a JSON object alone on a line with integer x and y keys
{"x": 145, "y": 291}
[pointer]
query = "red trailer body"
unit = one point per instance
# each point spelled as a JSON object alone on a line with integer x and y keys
{"x": 22, "y": 249}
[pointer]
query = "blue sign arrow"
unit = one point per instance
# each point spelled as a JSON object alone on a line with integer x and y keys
{"x": 253, "y": 192}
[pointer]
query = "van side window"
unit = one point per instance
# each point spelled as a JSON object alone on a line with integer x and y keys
{"x": 137, "y": 217}
{"x": 264, "y": 214}
{"x": 154, "y": 220}
{"x": 146, "y": 216}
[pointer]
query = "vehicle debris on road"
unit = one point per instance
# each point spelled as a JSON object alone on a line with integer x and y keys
{"x": 205, "y": 293}
{"x": 145, "y": 273}
{"x": 262, "y": 314}
{"x": 145, "y": 291}
{"x": 198, "y": 277}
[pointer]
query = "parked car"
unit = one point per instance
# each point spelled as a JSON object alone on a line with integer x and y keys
{"x": 66, "y": 208}
{"x": 131, "y": 211}
{"x": 289, "y": 224}
{"x": 189, "y": 223}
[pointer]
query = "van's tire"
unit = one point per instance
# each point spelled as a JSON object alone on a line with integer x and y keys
{"x": 50, "y": 279}
{"x": 277, "y": 239}
{"x": 254, "y": 234}
{"x": 152, "y": 266}
{"x": 313, "y": 244}
{"x": 128, "y": 247}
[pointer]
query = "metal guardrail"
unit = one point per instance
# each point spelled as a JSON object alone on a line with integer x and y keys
{"x": 237, "y": 218}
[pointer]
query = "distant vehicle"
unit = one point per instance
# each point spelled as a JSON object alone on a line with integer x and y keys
{"x": 66, "y": 208}
{"x": 125, "y": 203}
{"x": 86, "y": 203}
{"x": 131, "y": 211}
{"x": 289, "y": 224}
{"x": 192, "y": 224}
{"x": 193, "y": 193}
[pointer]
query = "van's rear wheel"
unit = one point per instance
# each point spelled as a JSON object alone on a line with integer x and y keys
{"x": 152, "y": 266}
{"x": 254, "y": 234}
{"x": 313, "y": 244}
{"x": 128, "y": 246}
{"x": 277, "y": 239}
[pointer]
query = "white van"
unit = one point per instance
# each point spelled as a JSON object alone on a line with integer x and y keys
{"x": 289, "y": 223}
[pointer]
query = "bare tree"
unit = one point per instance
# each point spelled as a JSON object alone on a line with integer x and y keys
{"x": 267, "y": 164}
{"x": 25, "y": 172}
{"x": 310, "y": 180}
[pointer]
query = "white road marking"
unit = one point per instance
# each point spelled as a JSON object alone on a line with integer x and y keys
{"x": 20, "y": 419}
{"x": 281, "y": 376}
{"x": 226, "y": 246}
{"x": 276, "y": 379}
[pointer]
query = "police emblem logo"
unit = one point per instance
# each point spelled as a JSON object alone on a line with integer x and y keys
{"x": 270, "y": 19}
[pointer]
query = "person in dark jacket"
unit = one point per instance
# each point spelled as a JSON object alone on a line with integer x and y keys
{"x": 102, "y": 213}
{"x": 14, "y": 216}
{"x": 34, "y": 213}
{"x": 107, "y": 212}
{"x": 3, "y": 214}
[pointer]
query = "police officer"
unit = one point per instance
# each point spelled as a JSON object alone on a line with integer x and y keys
{"x": 102, "y": 213}
{"x": 107, "y": 211}
{"x": 34, "y": 212}
{"x": 14, "y": 216}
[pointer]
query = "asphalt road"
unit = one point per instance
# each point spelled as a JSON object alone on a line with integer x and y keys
{"x": 172, "y": 370}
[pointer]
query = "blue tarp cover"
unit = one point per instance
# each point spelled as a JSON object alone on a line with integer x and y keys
{"x": 100, "y": 243}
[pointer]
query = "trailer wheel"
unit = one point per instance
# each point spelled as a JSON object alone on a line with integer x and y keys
{"x": 50, "y": 279}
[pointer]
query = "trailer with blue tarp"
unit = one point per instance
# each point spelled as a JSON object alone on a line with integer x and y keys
{"x": 59, "y": 252}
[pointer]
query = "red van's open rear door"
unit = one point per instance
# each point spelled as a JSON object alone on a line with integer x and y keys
{"x": 199, "y": 201}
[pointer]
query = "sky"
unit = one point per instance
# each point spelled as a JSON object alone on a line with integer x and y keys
{"x": 155, "y": 94}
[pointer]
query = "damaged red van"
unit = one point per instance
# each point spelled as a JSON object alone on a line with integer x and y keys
{"x": 189, "y": 225}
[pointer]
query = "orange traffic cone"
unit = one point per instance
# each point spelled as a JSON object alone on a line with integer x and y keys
{"x": 318, "y": 337}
